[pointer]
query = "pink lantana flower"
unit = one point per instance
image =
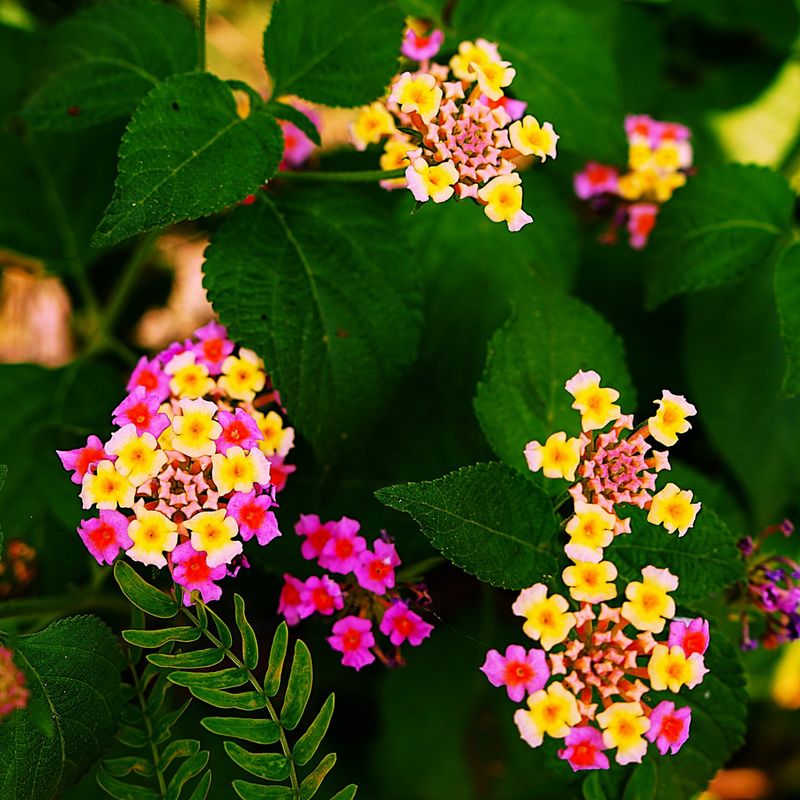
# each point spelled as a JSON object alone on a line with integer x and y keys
{"x": 514, "y": 108}
{"x": 105, "y": 535}
{"x": 82, "y": 459}
{"x": 375, "y": 571}
{"x": 239, "y": 429}
{"x": 669, "y": 728}
{"x": 13, "y": 693}
{"x": 342, "y": 551}
{"x": 141, "y": 409}
{"x": 401, "y": 624}
{"x": 584, "y": 749}
{"x": 324, "y": 594}
{"x": 317, "y": 534}
{"x": 293, "y": 602}
{"x": 521, "y": 672}
{"x": 213, "y": 348}
{"x": 352, "y": 636}
{"x": 420, "y": 44}
{"x": 641, "y": 220}
{"x": 253, "y": 516}
{"x": 595, "y": 179}
{"x": 279, "y": 471}
{"x": 691, "y": 635}
{"x": 192, "y": 572}
{"x": 151, "y": 376}
{"x": 297, "y": 147}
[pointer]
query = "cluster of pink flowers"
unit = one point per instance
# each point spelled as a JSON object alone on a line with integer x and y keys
{"x": 453, "y": 128}
{"x": 13, "y": 692}
{"x": 193, "y": 467}
{"x": 359, "y": 588}
{"x": 659, "y": 160}
{"x": 297, "y": 147}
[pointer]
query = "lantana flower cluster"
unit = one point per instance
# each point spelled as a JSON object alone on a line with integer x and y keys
{"x": 659, "y": 161}
{"x": 614, "y": 468}
{"x": 770, "y": 595}
{"x": 358, "y": 589}
{"x": 13, "y": 692}
{"x": 193, "y": 466}
{"x": 589, "y": 680}
{"x": 453, "y": 129}
{"x": 18, "y": 568}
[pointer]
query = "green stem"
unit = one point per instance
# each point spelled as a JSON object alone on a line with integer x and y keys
{"x": 361, "y": 176}
{"x": 287, "y": 751}
{"x": 202, "y": 14}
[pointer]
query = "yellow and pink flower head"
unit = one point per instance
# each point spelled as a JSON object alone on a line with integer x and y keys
{"x": 187, "y": 475}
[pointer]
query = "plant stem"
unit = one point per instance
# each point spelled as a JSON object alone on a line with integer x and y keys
{"x": 360, "y": 176}
{"x": 202, "y": 14}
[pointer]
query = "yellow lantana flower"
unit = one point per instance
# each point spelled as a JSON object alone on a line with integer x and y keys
{"x": 596, "y": 405}
{"x": 188, "y": 378}
{"x": 591, "y": 582}
{"x": 138, "y": 457}
{"x": 670, "y": 419}
{"x": 649, "y": 603}
{"x": 558, "y": 457}
{"x": 552, "y": 711}
{"x": 152, "y": 534}
{"x": 195, "y": 429}
{"x": 213, "y": 532}
{"x": 237, "y": 470}
{"x": 590, "y": 528}
{"x": 502, "y": 199}
{"x": 109, "y": 488}
{"x": 419, "y": 93}
{"x": 673, "y": 509}
{"x": 242, "y": 376}
{"x": 371, "y": 125}
{"x": 546, "y": 618}
{"x": 623, "y": 727}
{"x": 531, "y": 139}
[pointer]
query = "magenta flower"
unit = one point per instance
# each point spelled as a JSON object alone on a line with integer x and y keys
{"x": 141, "y": 409}
{"x": 324, "y": 594}
{"x": 584, "y": 749}
{"x": 213, "y": 348}
{"x": 317, "y": 533}
{"x": 595, "y": 179}
{"x": 191, "y": 571}
{"x": 375, "y": 571}
{"x": 82, "y": 459}
{"x": 151, "y": 376}
{"x": 521, "y": 672}
{"x": 692, "y": 635}
{"x": 293, "y": 602}
{"x": 253, "y": 516}
{"x": 279, "y": 471}
{"x": 420, "y": 46}
{"x": 669, "y": 728}
{"x": 105, "y": 535}
{"x": 239, "y": 429}
{"x": 297, "y": 147}
{"x": 352, "y": 636}
{"x": 641, "y": 220}
{"x": 401, "y": 624}
{"x": 514, "y": 108}
{"x": 342, "y": 551}
{"x": 13, "y": 693}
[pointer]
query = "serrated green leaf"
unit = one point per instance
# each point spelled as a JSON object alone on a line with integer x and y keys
{"x": 201, "y": 790}
{"x": 153, "y": 639}
{"x": 119, "y": 767}
{"x": 104, "y": 59}
{"x": 308, "y": 743}
{"x": 787, "y": 296}
{"x": 705, "y": 560}
{"x": 521, "y": 396}
{"x": 297, "y": 118}
{"x": 718, "y": 227}
{"x": 73, "y": 666}
{"x": 298, "y": 688}
{"x": 188, "y": 770}
{"x": 249, "y": 640}
{"x": 487, "y": 519}
{"x": 269, "y": 766}
{"x": 124, "y": 791}
{"x": 244, "y": 701}
{"x": 228, "y": 678}
{"x": 258, "y": 731}
{"x": 564, "y": 68}
{"x": 178, "y": 748}
{"x": 324, "y": 274}
{"x": 344, "y": 54}
{"x": 142, "y": 594}
{"x": 312, "y": 782}
{"x": 348, "y": 793}
{"x": 187, "y": 153}
{"x": 252, "y": 791}
{"x": 194, "y": 659}
{"x": 277, "y": 654}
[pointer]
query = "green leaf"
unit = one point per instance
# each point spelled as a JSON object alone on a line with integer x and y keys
{"x": 296, "y": 117}
{"x": 705, "y": 560}
{"x": 188, "y": 770}
{"x": 348, "y": 793}
{"x": 322, "y": 274}
{"x": 124, "y": 791}
{"x": 721, "y": 225}
{"x": 119, "y": 767}
{"x": 308, "y": 743}
{"x": 154, "y": 639}
{"x": 487, "y": 519}
{"x": 201, "y": 790}
{"x": 298, "y": 689}
{"x": 259, "y": 731}
{"x": 3, "y": 474}
{"x": 253, "y": 791}
{"x": 228, "y": 678}
{"x": 277, "y": 654}
{"x": 187, "y": 153}
{"x": 344, "y": 54}
{"x": 73, "y": 668}
{"x": 104, "y": 59}
{"x": 787, "y": 295}
{"x": 194, "y": 659}
{"x": 549, "y": 338}
{"x": 244, "y": 701}
{"x": 269, "y": 766}
{"x": 151, "y": 600}
{"x": 312, "y": 782}
{"x": 564, "y": 68}
{"x": 179, "y": 748}
{"x": 223, "y": 631}
{"x": 249, "y": 640}
{"x": 163, "y": 726}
